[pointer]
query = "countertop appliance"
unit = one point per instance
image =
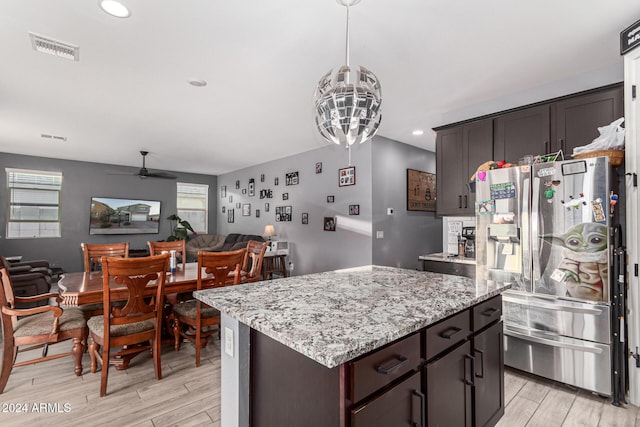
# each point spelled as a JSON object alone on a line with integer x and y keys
{"x": 549, "y": 229}
{"x": 469, "y": 236}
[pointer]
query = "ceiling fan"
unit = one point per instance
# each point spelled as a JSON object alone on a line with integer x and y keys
{"x": 144, "y": 173}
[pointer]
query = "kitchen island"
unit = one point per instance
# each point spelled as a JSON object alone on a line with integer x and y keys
{"x": 360, "y": 346}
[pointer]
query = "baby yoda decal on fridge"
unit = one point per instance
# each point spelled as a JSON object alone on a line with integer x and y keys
{"x": 583, "y": 268}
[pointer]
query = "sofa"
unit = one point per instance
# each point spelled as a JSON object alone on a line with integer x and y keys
{"x": 218, "y": 243}
{"x": 203, "y": 242}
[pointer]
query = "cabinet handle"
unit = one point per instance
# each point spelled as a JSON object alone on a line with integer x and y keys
{"x": 489, "y": 312}
{"x": 391, "y": 365}
{"x": 459, "y": 201}
{"x": 449, "y": 332}
{"x": 562, "y": 145}
{"x": 465, "y": 201}
{"x": 481, "y": 353}
{"x": 471, "y": 360}
{"x": 546, "y": 147}
{"x": 420, "y": 407}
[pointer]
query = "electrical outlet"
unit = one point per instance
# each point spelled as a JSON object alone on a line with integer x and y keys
{"x": 228, "y": 341}
{"x": 379, "y": 234}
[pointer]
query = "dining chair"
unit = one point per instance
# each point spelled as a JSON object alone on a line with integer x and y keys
{"x": 37, "y": 327}
{"x": 252, "y": 263}
{"x": 93, "y": 253}
{"x": 156, "y": 248}
{"x": 138, "y": 322}
{"x": 214, "y": 270}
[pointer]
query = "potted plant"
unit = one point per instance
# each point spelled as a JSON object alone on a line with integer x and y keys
{"x": 179, "y": 228}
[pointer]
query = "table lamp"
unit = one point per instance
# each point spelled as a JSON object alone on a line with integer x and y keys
{"x": 269, "y": 231}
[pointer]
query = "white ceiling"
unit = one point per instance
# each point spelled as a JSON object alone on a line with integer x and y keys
{"x": 439, "y": 61}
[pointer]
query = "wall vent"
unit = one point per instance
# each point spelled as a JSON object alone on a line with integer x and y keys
{"x": 54, "y": 47}
{"x": 56, "y": 137}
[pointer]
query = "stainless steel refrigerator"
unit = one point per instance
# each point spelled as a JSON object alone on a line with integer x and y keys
{"x": 546, "y": 228}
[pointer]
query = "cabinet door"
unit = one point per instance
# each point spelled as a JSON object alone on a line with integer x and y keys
{"x": 522, "y": 132}
{"x": 449, "y": 389}
{"x": 489, "y": 375}
{"x": 577, "y": 119}
{"x": 402, "y": 405}
{"x": 477, "y": 148}
{"x": 448, "y": 176}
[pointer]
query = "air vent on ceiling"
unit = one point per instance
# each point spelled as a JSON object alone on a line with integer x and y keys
{"x": 56, "y": 137}
{"x": 54, "y": 47}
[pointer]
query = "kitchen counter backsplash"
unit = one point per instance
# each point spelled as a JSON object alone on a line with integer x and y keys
{"x": 336, "y": 316}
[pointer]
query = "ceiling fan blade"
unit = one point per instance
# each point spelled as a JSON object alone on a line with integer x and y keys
{"x": 164, "y": 175}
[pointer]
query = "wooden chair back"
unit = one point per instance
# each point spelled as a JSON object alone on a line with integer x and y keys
{"x": 156, "y": 248}
{"x": 219, "y": 268}
{"x": 135, "y": 274}
{"x": 93, "y": 253}
{"x": 255, "y": 255}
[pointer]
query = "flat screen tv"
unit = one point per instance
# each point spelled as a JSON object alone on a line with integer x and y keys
{"x": 124, "y": 216}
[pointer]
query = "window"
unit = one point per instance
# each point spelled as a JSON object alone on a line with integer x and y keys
{"x": 192, "y": 205}
{"x": 34, "y": 204}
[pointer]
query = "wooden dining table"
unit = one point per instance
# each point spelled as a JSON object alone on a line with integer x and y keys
{"x": 86, "y": 287}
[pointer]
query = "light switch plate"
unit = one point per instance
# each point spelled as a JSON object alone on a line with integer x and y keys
{"x": 379, "y": 234}
{"x": 228, "y": 341}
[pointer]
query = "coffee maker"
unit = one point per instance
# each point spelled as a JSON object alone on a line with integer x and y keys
{"x": 469, "y": 236}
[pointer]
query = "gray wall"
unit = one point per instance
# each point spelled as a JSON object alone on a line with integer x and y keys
{"x": 81, "y": 181}
{"x": 312, "y": 249}
{"x": 407, "y": 234}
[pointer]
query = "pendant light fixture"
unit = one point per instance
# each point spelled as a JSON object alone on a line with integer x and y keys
{"x": 348, "y": 102}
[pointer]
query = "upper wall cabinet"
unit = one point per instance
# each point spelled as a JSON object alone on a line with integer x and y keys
{"x": 459, "y": 152}
{"x": 575, "y": 121}
{"x": 559, "y": 124}
{"x": 522, "y": 132}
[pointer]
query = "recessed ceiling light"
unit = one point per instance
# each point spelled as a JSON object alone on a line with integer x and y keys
{"x": 114, "y": 8}
{"x": 418, "y": 132}
{"x": 197, "y": 82}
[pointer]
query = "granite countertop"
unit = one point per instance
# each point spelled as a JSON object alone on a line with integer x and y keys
{"x": 443, "y": 257}
{"x": 336, "y": 316}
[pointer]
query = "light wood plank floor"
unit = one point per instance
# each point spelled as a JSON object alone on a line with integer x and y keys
{"x": 190, "y": 396}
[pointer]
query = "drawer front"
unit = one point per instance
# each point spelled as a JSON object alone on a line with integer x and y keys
{"x": 401, "y": 405}
{"x": 383, "y": 366}
{"x": 447, "y": 333}
{"x": 487, "y": 312}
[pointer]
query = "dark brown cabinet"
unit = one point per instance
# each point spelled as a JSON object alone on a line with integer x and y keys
{"x": 468, "y": 377}
{"x": 488, "y": 378}
{"x": 459, "y": 152}
{"x": 559, "y": 124}
{"x": 522, "y": 132}
{"x": 449, "y": 398}
{"x": 447, "y": 374}
{"x": 402, "y": 405}
{"x": 575, "y": 121}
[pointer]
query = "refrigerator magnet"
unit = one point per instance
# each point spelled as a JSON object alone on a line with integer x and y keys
{"x": 546, "y": 172}
{"x": 574, "y": 168}
{"x": 485, "y": 207}
{"x": 598, "y": 211}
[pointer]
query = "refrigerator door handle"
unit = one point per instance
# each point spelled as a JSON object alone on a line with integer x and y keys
{"x": 555, "y": 306}
{"x": 552, "y": 343}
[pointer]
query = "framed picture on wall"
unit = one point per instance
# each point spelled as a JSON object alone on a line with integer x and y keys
{"x": 237, "y": 184}
{"x": 266, "y": 207}
{"x": 261, "y": 177}
{"x": 421, "y": 191}
{"x": 330, "y": 199}
{"x": 257, "y": 213}
{"x": 347, "y": 176}
{"x": 319, "y": 167}
{"x": 230, "y": 215}
{"x": 329, "y": 223}
{"x": 223, "y": 191}
{"x": 292, "y": 178}
{"x": 246, "y": 209}
{"x": 224, "y": 209}
{"x": 305, "y": 218}
{"x": 285, "y": 196}
{"x": 354, "y": 209}
{"x": 252, "y": 187}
